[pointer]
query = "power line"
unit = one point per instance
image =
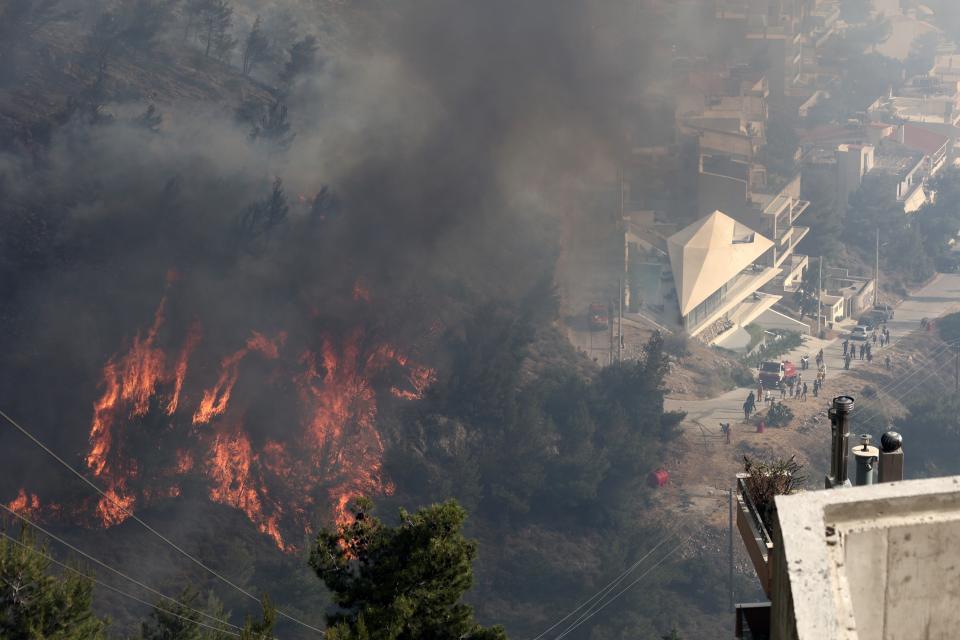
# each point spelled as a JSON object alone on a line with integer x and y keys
{"x": 603, "y": 592}
{"x": 146, "y": 526}
{"x": 115, "y": 589}
{"x": 624, "y": 590}
{"x": 920, "y": 368}
{"x": 110, "y": 568}
{"x": 928, "y": 376}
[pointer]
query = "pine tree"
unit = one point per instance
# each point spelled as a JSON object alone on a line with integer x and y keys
{"x": 273, "y": 127}
{"x": 261, "y": 217}
{"x": 255, "y": 48}
{"x": 302, "y": 58}
{"x": 400, "y": 583}
{"x": 182, "y": 621}
{"x": 215, "y": 19}
{"x": 38, "y": 604}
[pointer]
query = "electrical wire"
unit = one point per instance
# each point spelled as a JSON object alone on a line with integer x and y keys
{"x": 906, "y": 393}
{"x": 578, "y": 623}
{"x": 111, "y": 569}
{"x": 115, "y": 589}
{"x": 146, "y": 526}
{"x": 605, "y": 590}
{"x": 920, "y": 368}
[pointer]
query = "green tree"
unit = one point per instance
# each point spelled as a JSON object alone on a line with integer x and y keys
{"x": 261, "y": 217}
{"x": 183, "y": 620}
{"x": 923, "y": 52}
{"x": 38, "y": 604}
{"x": 256, "y": 47}
{"x": 303, "y": 56}
{"x": 273, "y": 128}
{"x": 214, "y": 19}
{"x": 404, "y": 582}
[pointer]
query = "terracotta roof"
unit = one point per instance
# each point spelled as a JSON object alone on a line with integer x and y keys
{"x": 929, "y": 142}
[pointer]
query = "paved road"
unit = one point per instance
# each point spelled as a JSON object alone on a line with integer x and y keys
{"x": 939, "y": 297}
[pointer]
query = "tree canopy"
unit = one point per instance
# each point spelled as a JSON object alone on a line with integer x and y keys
{"x": 400, "y": 583}
{"x": 37, "y": 603}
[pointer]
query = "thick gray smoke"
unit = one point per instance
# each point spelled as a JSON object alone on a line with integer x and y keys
{"x": 442, "y": 136}
{"x": 433, "y": 153}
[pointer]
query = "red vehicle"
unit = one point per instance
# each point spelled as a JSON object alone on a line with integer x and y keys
{"x": 598, "y": 317}
{"x": 771, "y": 374}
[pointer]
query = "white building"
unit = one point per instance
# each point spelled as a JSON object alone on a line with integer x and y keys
{"x": 718, "y": 270}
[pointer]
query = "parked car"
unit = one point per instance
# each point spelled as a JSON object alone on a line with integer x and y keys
{"x": 598, "y": 317}
{"x": 772, "y": 373}
{"x": 883, "y": 312}
{"x": 859, "y": 332}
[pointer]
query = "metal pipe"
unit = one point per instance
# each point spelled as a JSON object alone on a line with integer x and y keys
{"x": 866, "y": 458}
{"x": 840, "y": 421}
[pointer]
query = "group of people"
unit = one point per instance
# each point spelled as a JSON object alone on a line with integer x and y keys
{"x": 793, "y": 388}
{"x": 797, "y": 388}
{"x": 865, "y": 351}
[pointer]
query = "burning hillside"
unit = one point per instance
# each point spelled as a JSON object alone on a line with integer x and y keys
{"x": 162, "y": 420}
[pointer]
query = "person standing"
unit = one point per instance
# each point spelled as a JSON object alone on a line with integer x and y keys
{"x": 869, "y": 357}
{"x": 887, "y": 363}
{"x": 846, "y": 362}
{"x": 816, "y": 387}
{"x": 846, "y": 347}
{"x": 783, "y": 390}
{"x": 874, "y": 338}
{"x": 803, "y": 393}
{"x": 760, "y": 391}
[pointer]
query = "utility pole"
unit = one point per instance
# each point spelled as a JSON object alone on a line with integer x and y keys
{"x": 620, "y": 320}
{"x": 876, "y": 273}
{"x": 819, "y": 292}
{"x": 730, "y": 541}
{"x": 610, "y": 322}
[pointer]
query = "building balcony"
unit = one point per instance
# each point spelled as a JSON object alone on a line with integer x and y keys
{"x": 756, "y": 539}
{"x": 749, "y": 281}
{"x": 787, "y": 242}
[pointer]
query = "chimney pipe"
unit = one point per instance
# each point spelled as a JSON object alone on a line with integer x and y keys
{"x": 866, "y": 458}
{"x": 891, "y": 457}
{"x": 840, "y": 427}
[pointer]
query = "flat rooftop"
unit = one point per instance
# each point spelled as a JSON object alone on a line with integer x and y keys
{"x": 876, "y": 561}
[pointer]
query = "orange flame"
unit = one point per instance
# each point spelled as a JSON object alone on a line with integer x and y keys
{"x": 25, "y": 505}
{"x": 360, "y": 292}
{"x": 216, "y": 399}
{"x": 335, "y": 452}
{"x": 193, "y": 339}
{"x": 230, "y": 471}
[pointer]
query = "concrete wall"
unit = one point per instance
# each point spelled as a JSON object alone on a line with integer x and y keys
{"x": 875, "y": 562}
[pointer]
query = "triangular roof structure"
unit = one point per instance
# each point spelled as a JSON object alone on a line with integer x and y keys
{"x": 708, "y": 253}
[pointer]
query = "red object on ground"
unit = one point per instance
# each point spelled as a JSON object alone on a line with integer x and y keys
{"x": 761, "y": 426}
{"x": 658, "y": 478}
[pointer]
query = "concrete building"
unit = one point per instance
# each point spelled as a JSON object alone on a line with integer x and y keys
{"x": 742, "y": 191}
{"x": 853, "y": 162}
{"x": 718, "y": 271}
{"x": 877, "y": 561}
{"x": 873, "y": 561}
{"x": 888, "y": 166}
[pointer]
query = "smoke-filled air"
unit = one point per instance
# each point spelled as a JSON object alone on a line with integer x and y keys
{"x": 448, "y": 319}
